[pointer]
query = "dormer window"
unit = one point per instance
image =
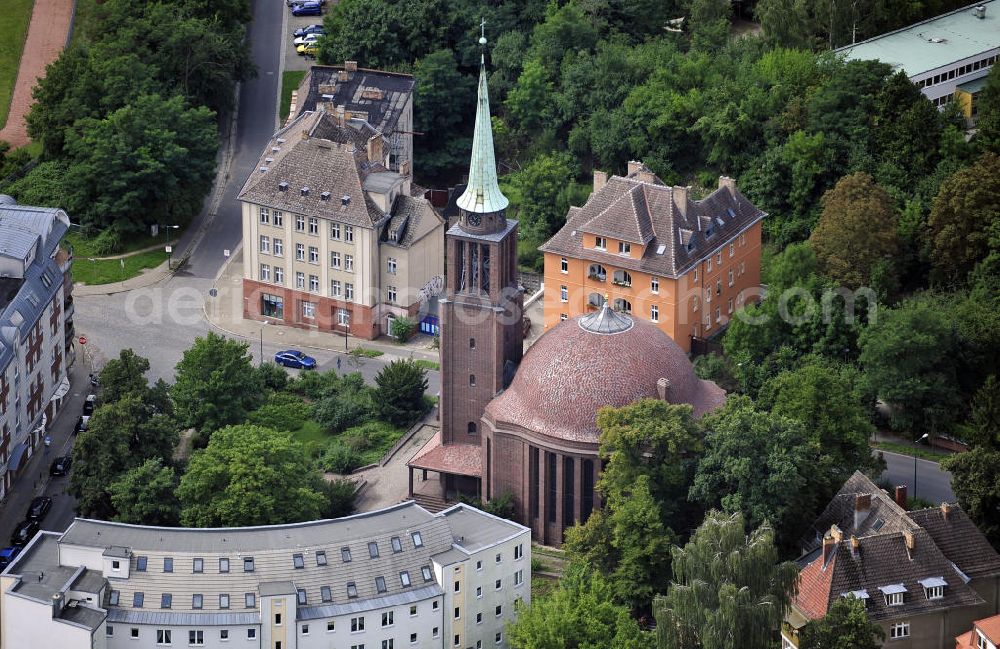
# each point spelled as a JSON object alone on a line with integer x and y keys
{"x": 624, "y": 248}
{"x": 894, "y": 594}
{"x": 933, "y": 587}
{"x": 600, "y": 243}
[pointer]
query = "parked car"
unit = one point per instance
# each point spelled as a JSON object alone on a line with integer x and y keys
{"x": 24, "y": 532}
{"x": 296, "y": 359}
{"x": 61, "y": 465}
{"x": 307, "y": 9}
{"x": 309, "y": 29}
{"x": 8, "y": 554}
{"x": 308, "y": 38}
{"x": 292, "y": 3}
{"x": 89, "y": 403}
{"x": 308, "y": 49}
{"x": 39, "y": 507}
{"x": 81, "y": 424}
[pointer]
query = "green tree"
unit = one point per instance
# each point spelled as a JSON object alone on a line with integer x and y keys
{"x": 984, "y": 421}
{"x": 544, "y": 185}
{"x": 988, "y": 114}
{"x": 148, "y": 162}
{"x": 530, "y": 102}
{"x": 340, "y": 497}
{"x": 216, "y": 383}
{"x": 976, "y": 483}
{"x": 729, "y": 591}
{"x": 650, "y": 449}
{"x": 856, "y": 230}
{"x": 580, "y": 613}
{"x": 908, "y": 356}
{"x": 402, "y": 329}
{"x": 965, "y": 219}
{"x": 709, "y": 23}
{"x": 249, "y": 475}
{"x": 124, "y": 375}
{"x": 121, "y": 435}
{"x": 759, "y": 465}
{"x": 828, "y": 400}
{"x": 399, "y": 396}
{"x": 845, "y": 626}
{"x": 361, "y": 30}
{"x": 443, "y": 102}
{"x": 786, "y": 22}
{"x": 146, "y": 495}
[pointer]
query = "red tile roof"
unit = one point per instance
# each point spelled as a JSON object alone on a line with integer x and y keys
{"x": 813, "y": 596}
{"x": 456, "y": 459}
{"x": 571, "y": 372}
{"x": 990, "y": 627}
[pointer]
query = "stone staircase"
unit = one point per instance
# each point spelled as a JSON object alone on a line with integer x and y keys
{"x": 433, "y": 504}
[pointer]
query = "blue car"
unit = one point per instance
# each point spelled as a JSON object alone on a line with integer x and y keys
{"x": 307, "y": 9}
{"x": 295, "y": 359}
{"x": 8, "y": 554}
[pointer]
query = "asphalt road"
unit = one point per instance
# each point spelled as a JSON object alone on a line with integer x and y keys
{"x": 255, "y": 125}
{"x": 933, "y": 483}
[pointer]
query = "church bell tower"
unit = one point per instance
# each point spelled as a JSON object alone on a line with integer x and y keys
{"x": 481, "y": 313}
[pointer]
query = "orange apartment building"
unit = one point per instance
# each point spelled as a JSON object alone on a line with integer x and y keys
{"x": 657, "y": 254}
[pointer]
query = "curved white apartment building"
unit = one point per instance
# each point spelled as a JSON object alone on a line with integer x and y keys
{"x": 396, "y": 578}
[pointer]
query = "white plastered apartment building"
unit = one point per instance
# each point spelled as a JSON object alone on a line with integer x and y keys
{"x": 378, "y": 580}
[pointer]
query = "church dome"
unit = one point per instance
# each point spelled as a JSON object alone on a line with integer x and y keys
{"x": 601, "y": 359}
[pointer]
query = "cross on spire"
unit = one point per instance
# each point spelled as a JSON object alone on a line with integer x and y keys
{"x": 482, "y": 32}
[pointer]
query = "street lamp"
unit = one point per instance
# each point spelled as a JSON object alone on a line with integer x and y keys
{"x": 170, "y": 250}
{"x": 264, "y": 324}
{"x": 917, "y": 441}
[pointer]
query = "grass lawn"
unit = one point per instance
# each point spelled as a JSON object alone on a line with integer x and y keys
{"x": 366, "y": 353}
{"x": 85, "y": 247}
{"x": 110, "y": 270}
{"x": 922, "y": 452}
{"x": 290, "y": 80}
{"x": 427, "y": 365}
{"x": 13, "y": 29}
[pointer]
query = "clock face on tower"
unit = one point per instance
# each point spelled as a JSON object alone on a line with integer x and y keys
{"x": 474, "y": 220}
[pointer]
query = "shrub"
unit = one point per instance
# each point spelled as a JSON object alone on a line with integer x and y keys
{"x": 357, "y": 441}
{"x": 108, "y": 242}
{"x": 400, "y": 394}
{"x": 274, "y": 377}
{"x": 314, "y": 385}
{"x": 281, "y": 414}
{"x": 340, "y": 459}
{"x": 338, "y": 412}
{"x": 340, "y": 495}
{"x": 402, "y": 328}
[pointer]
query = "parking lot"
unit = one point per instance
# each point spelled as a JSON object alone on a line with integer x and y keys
{"x": 292, "y": 59}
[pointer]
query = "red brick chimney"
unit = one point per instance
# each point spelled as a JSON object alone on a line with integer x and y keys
{"x": 862, "y": 507}
{"x": 830, "y": 541}
{"x": 855, "y": 546}
{"x": 634, "y": 166}
{"x": 901, "y": 496}
{"x": 600, "y": 180}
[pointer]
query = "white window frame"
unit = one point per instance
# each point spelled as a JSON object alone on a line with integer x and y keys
{"x": 390, "y": 265}
{"x": 899, "y": 630}
{"x": 624, "y": 248}
{"x": 265, "y": 244}
{"x": 279, "y": 247}
{"x": 600, "y": 243}
{"x": 563, "y": 294}
{"x": 563, "y": 265}
{"x": 348, "y": 233}
{"x": 654, "y": 313}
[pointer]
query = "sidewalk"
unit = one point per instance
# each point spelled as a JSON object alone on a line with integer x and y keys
{"x": 34, "y": 475}
{"x": 48, "y": 34}
{"x": 225, "y": 313}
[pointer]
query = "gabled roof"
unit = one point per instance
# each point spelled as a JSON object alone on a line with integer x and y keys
{"x": 317, "y": 153}
{"x": 889, "y": 549}
{"x": 640, "y": 209}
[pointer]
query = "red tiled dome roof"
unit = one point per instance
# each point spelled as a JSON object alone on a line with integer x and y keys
{"x": 572, "y": 371}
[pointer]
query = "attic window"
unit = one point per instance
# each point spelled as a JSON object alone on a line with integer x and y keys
{"x": 345, "y": 200}
{"x": 305, "y": 191}
{"x": 275, "y": 149}
{"x": 719, "y": 220}
{"x": 893, "y": 594}
{"x": 708, "y": 231}
{"x": 325, "y": 196}
{"x": 934, "y": 587}
{"x": 731, "y": 213}
{"x": 263, "y": 170}
{"x": 282, "y": 186}
{"x": 661, "y": 249}
{"x": 877, "y": 525}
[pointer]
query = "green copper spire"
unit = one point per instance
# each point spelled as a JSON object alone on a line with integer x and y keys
{"x": 483, "y": 192}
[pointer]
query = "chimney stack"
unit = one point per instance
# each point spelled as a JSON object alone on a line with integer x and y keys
{"x": 663, "y": 388}
{"x": 830, "y": 542}
{"x": 945, "y": 510}
{"x": 341, "y": 119}
{"x": 911, "y": 543}
{"x": 341, "y": 75}
{"x": 862, "y": 507}
{"x": 837, "y": 535}
{"x": 633, "y": 167}
{"x": 375, "y": 148}
{"x": 600, "y": 180}
{"x": 681, "y": 199}
{"x": 57, "y": 605}
{"x": 901, "y": 496}
{"x": 647, "y": 176}
{"x": 404, "y": 168}
{"x": 855, "y": 546}
{"x": 351, "y": 66}
{"x": 726, "y": 181}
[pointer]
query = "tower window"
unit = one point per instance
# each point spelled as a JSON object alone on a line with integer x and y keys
{"x": 472, "y": 428}
{"x": 472, "y": 343}
{"x": 472, "y": 380}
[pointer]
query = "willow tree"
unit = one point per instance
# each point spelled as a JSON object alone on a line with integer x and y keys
{"x": 729, "y": 590}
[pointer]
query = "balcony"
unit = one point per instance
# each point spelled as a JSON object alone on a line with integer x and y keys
{"x": 621, "y": 278}
{"x": 69, "y": 309}
{"x": 597, "y": 273}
